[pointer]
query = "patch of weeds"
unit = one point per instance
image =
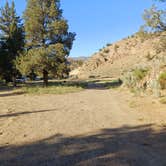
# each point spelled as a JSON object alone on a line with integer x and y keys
{"x": 132, "y": 104}
{"x": 106, "y": 50}
{"x": 139, "y": 74}
{"x": 51, "y": 89}
{"x": 162, "y": 80}
{"x": 141, "y": 119}
{"x": 136, "y": 91}
{"x": 163, "y": 100}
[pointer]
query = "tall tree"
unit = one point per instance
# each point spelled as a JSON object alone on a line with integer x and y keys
{"x": 12, "y": 41}
{"x": 47, "y": 39}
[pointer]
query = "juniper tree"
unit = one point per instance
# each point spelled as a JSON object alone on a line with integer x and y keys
{"x": 155, "y": 19}
{"x": 48, "y": 41}
{"x": 11, "y": 41}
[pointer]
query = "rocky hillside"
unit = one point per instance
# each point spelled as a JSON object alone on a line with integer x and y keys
{"x": 76, "y": 62}
{"x": 117, "y": 58}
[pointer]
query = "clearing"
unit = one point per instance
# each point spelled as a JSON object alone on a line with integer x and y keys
{"x": 96, "y": 126}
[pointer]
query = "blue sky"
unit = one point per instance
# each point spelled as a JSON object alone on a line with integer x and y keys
{"x": 98, "y": 22}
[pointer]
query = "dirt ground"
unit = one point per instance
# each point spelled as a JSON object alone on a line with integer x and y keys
{"x": 88, "y": 128}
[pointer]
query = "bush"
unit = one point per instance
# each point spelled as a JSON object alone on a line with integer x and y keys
{"x": 108, "y": 44}
{"x": 162, "y": 80}
{"x": 128, "y": 80}
{"x": 106, "y": 50}
{"x": 163, "y": 100}
{"x": 139, "y": 74}
{"x": 132, "y": 79}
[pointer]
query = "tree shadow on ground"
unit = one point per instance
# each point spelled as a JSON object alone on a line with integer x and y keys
{"x": 4, "y": 88}
{"x": 124, "y": 146}
{"x": 8, "y": 90}
{"x": 10, "y": 93}
{"x": 24, "y": 113}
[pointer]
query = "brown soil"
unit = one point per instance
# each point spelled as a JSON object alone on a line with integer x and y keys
{"x": 88, "y": 128}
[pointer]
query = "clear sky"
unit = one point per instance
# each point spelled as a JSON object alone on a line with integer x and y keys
{"x": 98, "y": 22}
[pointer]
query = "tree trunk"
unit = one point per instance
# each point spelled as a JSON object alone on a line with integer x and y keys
{"x": 8, "y": 79}
{"x": 14, "y": 78}
{"x": 45, "y": 78}
{"x": 14, "y": 81}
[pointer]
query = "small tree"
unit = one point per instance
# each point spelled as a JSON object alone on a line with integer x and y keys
{"x": 48, "y": 41}
{"x": 155, "y": 19}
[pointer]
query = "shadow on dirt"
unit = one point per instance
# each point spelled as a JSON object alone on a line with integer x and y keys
{"x": 10, "y": 93}
{"x": 125, "y": 146}
{"x": 24, "y": 113}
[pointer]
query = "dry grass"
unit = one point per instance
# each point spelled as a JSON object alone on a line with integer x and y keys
{"x": 163, "y": 100}
{"x": 60, "y": 89}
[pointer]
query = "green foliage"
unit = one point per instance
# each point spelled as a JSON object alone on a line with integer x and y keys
{"x": 38, "y": 59}
{"x": 155, "y": 19}
{"x": 11, "y": 41}
{"x": 106, "y": 50}
{"x": 139, "y": 74}
{"x": 162, "y": 80}
{"x": 163, "y": 100}
{"x": 47, "y": 39}
{"x": 132, "y": 79}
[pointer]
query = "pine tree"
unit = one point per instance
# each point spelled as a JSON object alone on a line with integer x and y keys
{"x": 12, "y": 41}
{"x": 48, "y": 41}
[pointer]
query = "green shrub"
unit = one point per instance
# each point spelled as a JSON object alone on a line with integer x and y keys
{"x": 108, "y": 44}
{"x": 92, "y": 76}
{"x": 163, "y": 100}
{"x": 128, "y": 80}
{"x": 139, "y": 74}
{"x": 106, "y": 50}
{"x": 162, "y": 80}
{"x": 132, "y": 79}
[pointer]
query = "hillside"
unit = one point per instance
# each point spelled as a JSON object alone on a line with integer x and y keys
{"x": 117, "y": 58}
{"x": 76, "y": 62}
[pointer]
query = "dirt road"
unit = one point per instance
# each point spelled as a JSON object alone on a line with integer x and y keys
{"x": 88, "y": 128}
